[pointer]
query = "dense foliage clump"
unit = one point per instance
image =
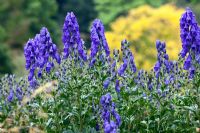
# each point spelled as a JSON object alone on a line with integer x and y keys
{"x": 79, "y": 92}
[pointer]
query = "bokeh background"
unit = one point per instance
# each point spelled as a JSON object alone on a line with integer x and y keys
{"x": 142, "y": 22}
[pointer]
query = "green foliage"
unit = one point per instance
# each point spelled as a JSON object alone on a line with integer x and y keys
{"x": 5, "y": 61}
{"x": 23, "y": 18}
{"x": 109, "y": 10}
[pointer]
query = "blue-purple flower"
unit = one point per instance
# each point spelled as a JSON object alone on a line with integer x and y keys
{"x": 128, "y": 58}
{"x": 123, "y": 67}
{"x": 71, "y": 38}
{"x": 10, "y": 96}
{"x": 162, "y": 59}
{"x": 40, "y": 53}
{"x": 190, "y": 37}
{"x": 108, "y": 109}
{"x": 98, "y": 39}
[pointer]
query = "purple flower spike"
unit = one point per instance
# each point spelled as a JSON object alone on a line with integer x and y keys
{"x": 108, "y": 110}
{"x": 106, "y": 83}
{"x": 132, "y": 62}
{"x": 71, "y": 37}
{"x": 122, "y": 68}
{"x": 117, "y": 86}
{"x": 190, "y": 38}
{"x": 39, "y": 54}
{"x": 98, "y": 39}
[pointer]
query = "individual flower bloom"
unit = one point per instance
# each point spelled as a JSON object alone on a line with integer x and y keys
{"x": 107, "y": 127}
{"x": 105, "y": 115}
{"x": 132, "y": 64}
{"x": 167, "y": 81}
{"x": 117, "y": 86}
{"x": 117, "y": 119}
{"x": 106, "y": 83}
{"x": 159, "y": 91}
{"x": 108, "y": 99}
{"x": 102, "y": 100}
{"x": 19, "y": 93}
{"x": 167, "y": 65}
{"x": 192, "y": 71}
{"x": 98, "y": 38}
{"x": 123, "y": 67}
{"x": 113, "y": 127}
{"x": 113, "y": 66}
{"x": 124, "y": 44}
{"x": 40, "y": 73}
{"x": 166, "y": 56}
{"x": 57, "y": 58}
{"x": 113, "y": 105}
{"x": 31, "y": 74}
{"x": 157, "y": 66}
{"x": 188, "y": 63}
{"x": 49, "y": 66}
{"x": 97, "y": 127}
{"x": 197, "y": 58}
{"x": 116, "y": 53}
{"x": 183, "y": 52}
{"x": 33, "y": 83}
{"x": 92, "y": 62}
{"x": 150, "y": 86}
{"x": 10, "y": 96}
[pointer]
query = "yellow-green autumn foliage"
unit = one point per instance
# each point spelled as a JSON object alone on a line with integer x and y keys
{"x": 142, "y": 27}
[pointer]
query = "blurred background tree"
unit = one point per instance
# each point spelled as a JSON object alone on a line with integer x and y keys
{"x": 22, "y": 19}
{"x": 5, "y": 58}
{"x": 109, "y": 10}
{"x": 142, "y": 27}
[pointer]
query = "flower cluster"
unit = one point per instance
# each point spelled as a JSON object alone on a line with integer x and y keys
{"x": 73, "y": 44}
{"x": 107, "y": 111}
{"x": 128, "y": 59}
{"x": 11, "y": 90}
{"x": 39, "y": 54}
{"x": 162, "y": 59}
{"x": 190, "y": 37}
{"x": 79, "y": 98}
{"x": 98, "y": 40}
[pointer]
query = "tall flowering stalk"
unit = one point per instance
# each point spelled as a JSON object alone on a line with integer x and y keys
{"x": 162, "y": 59}
{"x": 107, "y": 112}
{"x": 190, "y": 37}
{"x": 40, "y": 53}
{"x": 73, "y": 44}
{"x": 98, "y": 40}
{"x": 128, "y": 59}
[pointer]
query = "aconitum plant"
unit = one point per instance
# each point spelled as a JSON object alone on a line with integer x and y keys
{"x": 190, "y": 37}
{"x": 102, "y": 92}
{"x": 39, "y": 54}
{"x": 73, "y": 44}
